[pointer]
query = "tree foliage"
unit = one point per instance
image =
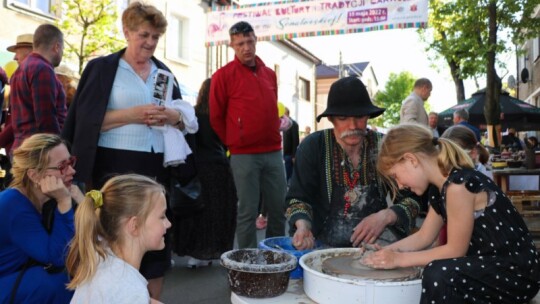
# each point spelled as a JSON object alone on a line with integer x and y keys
{"x": 459, "y": 31}
{"x": 90, "y": 29}
{"x": 450, "y": 39}
{"x": 397, "y": 88}
{"x": 469, "y": 34}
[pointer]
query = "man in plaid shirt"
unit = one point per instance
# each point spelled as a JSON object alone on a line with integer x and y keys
{"x": 38, "y": 101}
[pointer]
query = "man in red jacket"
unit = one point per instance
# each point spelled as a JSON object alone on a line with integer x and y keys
{"x": 244, "y": 114}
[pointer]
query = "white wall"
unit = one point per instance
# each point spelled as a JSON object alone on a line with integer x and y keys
{"x": 190, "y": 69}
{"x": 14, "y": 23}
{"x": 292, "y": 66}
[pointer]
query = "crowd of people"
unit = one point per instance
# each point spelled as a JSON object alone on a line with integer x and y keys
{"x": 87, "y": 215}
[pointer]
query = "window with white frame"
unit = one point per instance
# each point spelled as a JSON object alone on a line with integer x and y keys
{"x": 522, "y": 60}
{"x": 303, "y": 88}
{"x": 536, "y": 48}
{"x": 177, "y": 38}
{"x": 42, "y": 7}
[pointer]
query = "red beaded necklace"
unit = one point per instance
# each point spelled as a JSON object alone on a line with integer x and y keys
{"x": 340, "y": 159}
{"x": 350, "y": 195}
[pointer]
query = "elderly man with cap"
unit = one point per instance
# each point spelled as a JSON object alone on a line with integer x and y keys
{"x": 22, "y": 48}
{"x": 335, "y": 194}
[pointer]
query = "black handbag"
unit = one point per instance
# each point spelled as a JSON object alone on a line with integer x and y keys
{"x": 185, "y": 187}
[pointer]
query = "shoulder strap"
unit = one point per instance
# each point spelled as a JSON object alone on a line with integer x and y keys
{"x": 47, "y": 219}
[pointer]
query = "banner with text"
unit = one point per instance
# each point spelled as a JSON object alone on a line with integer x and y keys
{"x": 273, "y": 21}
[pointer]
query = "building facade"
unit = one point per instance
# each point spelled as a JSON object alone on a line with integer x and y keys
{"x": 182, "y": 47}
{"x": 528, "y": 69}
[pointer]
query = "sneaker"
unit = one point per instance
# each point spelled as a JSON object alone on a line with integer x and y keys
{"x": 261, "y": 222}
{"x": 196, "y": 263}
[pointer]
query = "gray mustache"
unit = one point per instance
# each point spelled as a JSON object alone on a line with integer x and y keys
{"x": 356, "y": 132}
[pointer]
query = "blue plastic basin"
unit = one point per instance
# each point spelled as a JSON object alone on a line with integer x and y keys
{"x": 284, "y": 243}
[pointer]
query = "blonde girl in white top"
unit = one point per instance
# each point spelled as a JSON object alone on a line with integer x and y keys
{"x": 114, "y": 227}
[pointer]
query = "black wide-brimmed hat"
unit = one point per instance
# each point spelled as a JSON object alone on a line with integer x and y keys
{"x": 348, "y": 97}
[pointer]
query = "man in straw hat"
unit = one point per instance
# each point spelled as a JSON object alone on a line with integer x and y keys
{"x": 22, "y": 47}
{"x": 335, "y": 194}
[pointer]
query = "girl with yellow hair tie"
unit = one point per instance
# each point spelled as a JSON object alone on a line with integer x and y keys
{"x": 115, "y": 227}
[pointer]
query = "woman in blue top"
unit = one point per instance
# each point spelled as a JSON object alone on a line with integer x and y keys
{"x": 42, "y": 170}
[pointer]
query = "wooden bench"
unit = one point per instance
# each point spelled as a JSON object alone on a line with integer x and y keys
{"x": 528, "y": 205}
{"x": 526, "y": 202}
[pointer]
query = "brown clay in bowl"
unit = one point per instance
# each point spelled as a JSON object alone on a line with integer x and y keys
{"x": 258, "y": 273}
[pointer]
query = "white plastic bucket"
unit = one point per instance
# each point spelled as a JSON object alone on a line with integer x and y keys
{"x": 323, "y": 288}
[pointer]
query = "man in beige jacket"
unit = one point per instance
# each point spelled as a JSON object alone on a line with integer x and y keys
{"x": 412, "y": 108}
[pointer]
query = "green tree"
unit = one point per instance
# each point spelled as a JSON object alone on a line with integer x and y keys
{"x": 90, "y": 29}
{"x": 469, "y": 34}
{"x": 397, "y": 88}
{"x": 452, "y": 44}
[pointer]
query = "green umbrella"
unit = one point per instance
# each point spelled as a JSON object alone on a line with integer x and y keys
{"x": 515, "y": 113}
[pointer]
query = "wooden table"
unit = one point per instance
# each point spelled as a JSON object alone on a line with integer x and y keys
{"x": 501, "y": 176}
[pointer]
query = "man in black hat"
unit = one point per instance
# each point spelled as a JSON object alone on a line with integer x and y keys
{"x": 335, "y": 194}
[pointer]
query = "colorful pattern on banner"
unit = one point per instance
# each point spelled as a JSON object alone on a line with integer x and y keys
{"x": 292, "y": 19}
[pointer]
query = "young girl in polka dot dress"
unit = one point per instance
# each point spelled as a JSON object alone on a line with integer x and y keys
{"x": 489, "y": 256}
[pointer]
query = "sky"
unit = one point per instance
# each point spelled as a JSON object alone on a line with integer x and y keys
{"x": 394, "y": 51}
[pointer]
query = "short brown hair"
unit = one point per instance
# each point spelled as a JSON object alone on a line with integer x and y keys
{"x": 138, "y": 13}
{"x": 47, "y": 35}
{"x": 423, "y": 82}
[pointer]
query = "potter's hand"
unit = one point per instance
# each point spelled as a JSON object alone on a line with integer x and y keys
{"x": 303, "y": 238}
{"x": 369, "y": 229}
{"x": 370, "y": 247}
{"x": 366, "y": 248}
{"x": 382, "y": 259}
{"x": 55, "y": 188}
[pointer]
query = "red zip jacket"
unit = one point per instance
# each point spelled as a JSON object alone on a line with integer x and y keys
{"x": 243, "y": 108}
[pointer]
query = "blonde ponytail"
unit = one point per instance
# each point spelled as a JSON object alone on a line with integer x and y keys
{"x": 99, "y": 218}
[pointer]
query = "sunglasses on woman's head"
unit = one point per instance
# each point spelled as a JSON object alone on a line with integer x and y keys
{"x": 64, "y": 165}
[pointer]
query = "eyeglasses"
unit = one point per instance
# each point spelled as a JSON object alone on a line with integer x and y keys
{"x": 64, "y": 166}
{"x": 241, "y": 27}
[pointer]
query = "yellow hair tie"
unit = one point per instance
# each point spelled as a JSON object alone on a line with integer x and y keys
{"x": 96, "y": 196}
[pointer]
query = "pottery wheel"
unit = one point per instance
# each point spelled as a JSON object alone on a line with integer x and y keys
{"x": 349, "y": 266}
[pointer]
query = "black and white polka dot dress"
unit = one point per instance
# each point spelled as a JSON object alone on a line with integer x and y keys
{"x": 501, "y": 265}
